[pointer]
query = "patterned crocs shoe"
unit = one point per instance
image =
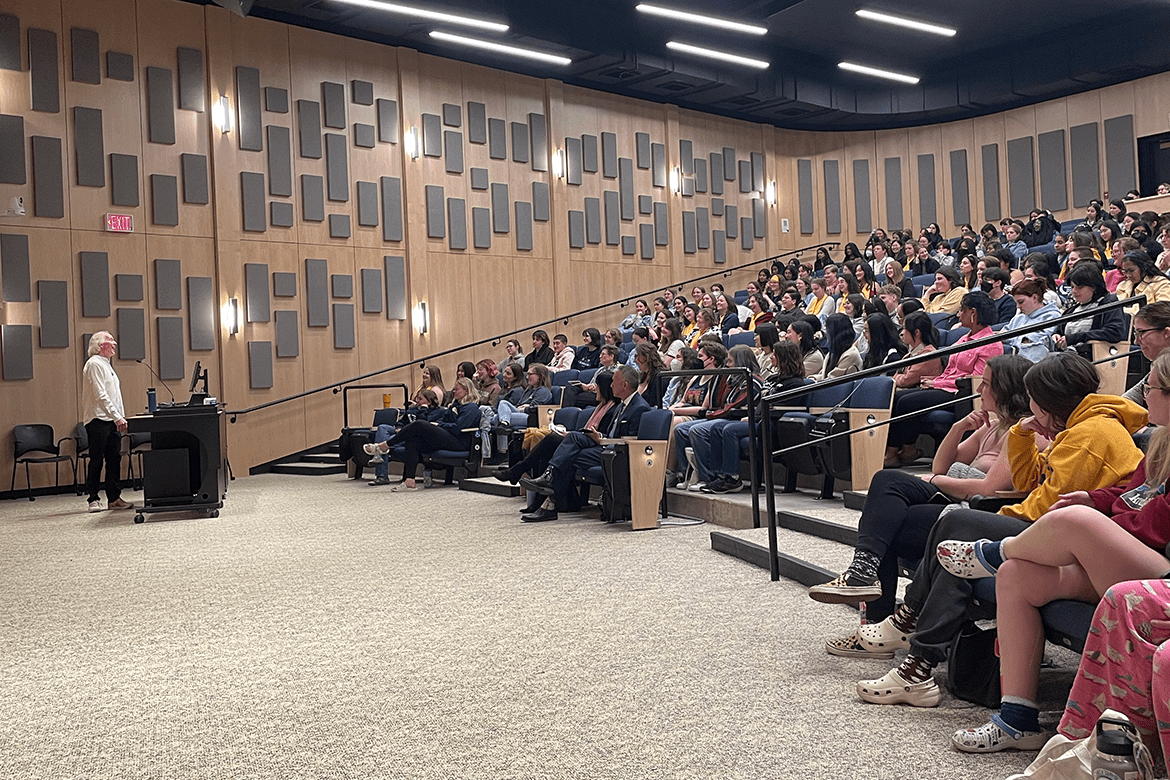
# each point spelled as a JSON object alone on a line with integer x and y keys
{"x": 995, "y": 735}
{"x": 965, "y": 559}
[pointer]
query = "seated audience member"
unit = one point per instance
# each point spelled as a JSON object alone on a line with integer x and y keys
{"x": 884, "y": 345}
{"x": 689, "y": 321}
{"x": 515, "y": 355}
{"x": 589, "y": 355}
{"x": 512, "y": 381}
{"x": 1163, "y": 257}
{"x": 920, "y": 336}
{"x": 1092, "y": 447}
{"x": 465, "y": 370}
{"x": 922, "y": 263}
{"x": 1029, "y": 297}
{"x": 432, "y": 378}
{"x": 846, "y": 286}
{"x": 426, "y": 407}
{"x": 581, "y": 450}
{"x": 707, "y": 323}
{"x": 1088, "y": 293}
{"x": 1042, "y": 227}
{"x": 1036, "y": 269}
{"x": 803, "y": 336}
{"x": 650, "y": 366}
{"x": 563, "y": 354}
{"x": 766, "y": 336}
{"x": 790, "y": 302}
{"x": 487, "y": 382}
{"x": 968, "y": 272}
{"x": 897, "y": 277}
{"x": 1143, "y": 233}
{"x": 995, "y": 284}
{"x": 822, "y": 304}
{"x": 881, "y": 253}
{"x": 760, "y": 313}
{"x": 888, "y": 297}
{"x": 421, "y": 437}
{"x": 853, "y": 307}
{"x": 639, "y": 336}
{"x": 512, "y": 409}
{"x": 541, "y": 352}
{"x": 727, "y": 313}
{"x": 639, "y": 318}
{"x": 1086, "y": 543}
{"x": 659, "y": 304}
{"x": 945, "y": 295}
{"x": 1012, "y": 240}
{"x": 688, "y": 360}
{"x": 823, "y": 257}
{"x": 974, "y": 314}
{"x": 1140, "y": 276}
{"x": 670, "y": 340}
{"x": 865, "y": 280}
{"x": 843, "y": 357}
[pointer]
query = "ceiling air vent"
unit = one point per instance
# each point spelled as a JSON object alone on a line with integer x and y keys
{"x": 742, "y": 101}
{"x": 675, "y": 86}
{"x": 620, "y": 73}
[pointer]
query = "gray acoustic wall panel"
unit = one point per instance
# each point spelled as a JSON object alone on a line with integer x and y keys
{"x": 642, "y": 150}
{"x": 195, "y": 188}
{"x": 863, "y": 215}
{"x": 479, "y": 178}
{"x": 520, "y": 150}
{"x": 717, "y": 205}
{"x": 342, "y": 285}
{"x": 702, "y": 227}
{"x": 481, "y": 228}
{"x": 804, "y": 186}
{"x": 53, "y": 297}
{"x": 593, "y": 220}
{"x": 17, "y": 346}
{"x": 367, "y": 202}
{"x": 658, "y": 164}
{"x": 395, "y": 266}
{"x": 1121, "y": 176}
{"x": 343, "y": 326}
{"x": 95, "y": 284}
{"x": 497, "y": 139}
{"x": 538, "y": 135}
{"x": 991, "y": 207}
{"x": 476, "y": 123}
{"x": 128, "y": 287}
{"x": 164, "y": 200}
{"x": 716, "y": 160}
{"x": 131, "y": 334}
{"x": 747, "y": 234}
{"x": 192, "y": 92}
{"x": 453, "y": 149}
{"x": 336, "y": 168}
{"x": 48, "y": 187}
{"x": 731, "y": 221}
{"x": 119, "y": 66}
{"x": 371, "y": 291}
{"x": 124, "y": 180}
{"x": 686, "y": 154}
{"x": 309, "y": 127}
{"x": 927, "y": 197}
{"x": 700, "y": 174}
{"x": 452, "y": 115}
{"x": 90, "y": 146}
{"x": 745, "y": 176}
{"x": 613, "y": 217}
{"x": 388, "y": 121}
{"x": 168, "y": 284}
{"x": 895, "y": 218}
{"x": 13, "y": 167}
{"x": 432, "y": 135}
{"x": 832, "y": 199}
{"x": 87, "y": 60}
{"x": 1053, "y": 176}
{"x": 333, "y": 104}
{"x": 160, "y": 102}
{"x": 690, "y": 239}
{"x": 317, "y": 292}
{"x": 576, "y": 229}
{"x": 259, "y": 365}
{"x": 170, "y": 347}
{"x": 626, "y": 187}
{"x": 760, "y": 217}
{"x": 501, "y": 216}
{"x": 252, "y": 202}
{"x": 14, "y": 267}
{"x": 540, "y": 201}
{"x": 688, "y": 187}
{"x": 718, "y": 247}
{"x": 284, "y": 284}
{"x": 280, "y": 177}
{"x": 589, "y": 161}
{"x": 646, "y": 241}
{"x": 1086, "y": 163}
{"x": 758, "y": 172}
{"x": 573, "y": 167}
{"x": 1021, "y": 176}
{"x": 10, "y": 58}
{"x": 523, "y": 225}
{"x": 362, "y": 92}
{"x": 661, "y": 225}
{"x": 436, "y": 219}
{"x": 645, "y": 204}
{"x": 258, "y": 307}
{"x": 629, "y": 245}
{"x": 456, "y": 223}
{"x": 960, "y": 189}
{"x": 288, "y": 337}
{"x": 729, "y": 163}
{"x": 391, "y": 208}
{"x": 312, "y": 198}
{"x": 43, "y": 70}
{"x": 276, "y": 100}
{"x": 609, "y": 155}
{"x": 201, "y": 312}
{"x": 339, "y": 226}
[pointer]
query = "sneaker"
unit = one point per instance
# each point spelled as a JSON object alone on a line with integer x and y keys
{"x": 995, "y": 735}
{"x": 715, "y": 485}
{"x": 893, "y": 689}
{"x": 379, "y": 481}
{"x": 851, "y": 647}
{"x": 733, "y": 485}
{"x": 884, "y": 636}
{"x": 120, "y": 503}
{"x": 838, "y": 591}
{"x": 695, "y": 487}
{"x": 95, "y": 506}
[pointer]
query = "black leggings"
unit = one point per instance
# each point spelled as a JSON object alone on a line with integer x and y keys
{"x": 420, "y": 438}
{"x": 906, "y": 431}
{"x": 536, "y": 461}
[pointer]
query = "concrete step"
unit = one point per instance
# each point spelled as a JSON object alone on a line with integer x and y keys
{"x": 309, "y": 469}
{"x": 489, "y": 486}
{"x": 320, "y": 457}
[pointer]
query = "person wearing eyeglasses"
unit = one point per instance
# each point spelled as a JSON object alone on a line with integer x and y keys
{"x": 101, "y": 404}
{"x": 1140, "y": 276}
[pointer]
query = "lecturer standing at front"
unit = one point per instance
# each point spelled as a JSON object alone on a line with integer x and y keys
{"x": 101, "y": 407}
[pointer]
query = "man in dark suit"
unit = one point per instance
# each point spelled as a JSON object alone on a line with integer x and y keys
{"x": 582, "y": 449}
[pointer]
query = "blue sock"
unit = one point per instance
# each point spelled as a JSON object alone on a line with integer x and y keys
{"x": 992, "y": 553}
{"x": 1020, "y": 716}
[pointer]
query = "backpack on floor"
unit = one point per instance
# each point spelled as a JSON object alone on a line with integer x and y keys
{"x": 615, "y": 493}
{"x": 973, "y": 666}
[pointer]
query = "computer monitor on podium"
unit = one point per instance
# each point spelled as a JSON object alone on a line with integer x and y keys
{"x": 198, "y": 376}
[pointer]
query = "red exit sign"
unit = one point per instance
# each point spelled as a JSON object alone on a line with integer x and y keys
{"x": 119, "y": 223}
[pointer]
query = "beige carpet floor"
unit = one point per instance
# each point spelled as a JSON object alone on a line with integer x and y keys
{"x": 320, "y": 628}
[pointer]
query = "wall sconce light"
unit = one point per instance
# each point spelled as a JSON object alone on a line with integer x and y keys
{"x": 231, "y": 316}
{"x": 221, "y": 114}
{"x": 770, "y": 193}
{"x": 421, "y": 321}
{"x": 676, "y": 180}
{"x": 412, "y": 143}
{"x": 558, "y": 163}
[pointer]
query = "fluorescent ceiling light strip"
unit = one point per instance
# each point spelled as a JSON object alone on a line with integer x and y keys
{"x": 500, "y": 48}
{"x": 710, "y": 21}
{"x": 902, "y": 21}
{"x": 424, "y": 13}
{"x": 882, "y": 74}
{"x": 716, "y": 55}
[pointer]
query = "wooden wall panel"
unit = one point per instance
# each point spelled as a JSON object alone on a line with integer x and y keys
{"x": 958, "y": 135}
{"x": 987, "y": 130}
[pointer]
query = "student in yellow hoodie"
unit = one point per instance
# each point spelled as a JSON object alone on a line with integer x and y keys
{"x": 1092, "y": 447}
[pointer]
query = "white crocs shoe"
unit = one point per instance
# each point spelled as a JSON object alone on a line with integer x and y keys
{"x": 883, "y": 636}
{"x": 995, "y": 736}
{"x": 893, "y": 689}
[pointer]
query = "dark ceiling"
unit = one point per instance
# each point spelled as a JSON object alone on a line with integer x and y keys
{"x": 1006, "y": 53}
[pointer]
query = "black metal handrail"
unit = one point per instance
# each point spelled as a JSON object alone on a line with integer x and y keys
{"x": 495, "y": 340}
